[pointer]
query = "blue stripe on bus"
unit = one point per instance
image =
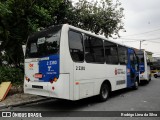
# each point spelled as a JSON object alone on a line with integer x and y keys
{"x": 130, "y": 70}
{"x": 49, "y": 68}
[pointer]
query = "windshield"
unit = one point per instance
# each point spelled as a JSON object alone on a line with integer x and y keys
{"x": 44, "y": 43}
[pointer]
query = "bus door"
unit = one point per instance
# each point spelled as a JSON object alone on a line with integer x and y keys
{"x": 131, "y": 68}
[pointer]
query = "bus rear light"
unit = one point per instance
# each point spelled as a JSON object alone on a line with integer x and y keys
{"x": 27, "y": 79}
{"x": 51, "y": 81}
{"x": 77, "y": 83}
{"x": 54, "y": 80}
{"x": 53, "y": 88}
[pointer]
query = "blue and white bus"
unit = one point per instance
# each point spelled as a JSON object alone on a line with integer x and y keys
{"x": 67, "y": 62}
{"x": 144, "y": 66}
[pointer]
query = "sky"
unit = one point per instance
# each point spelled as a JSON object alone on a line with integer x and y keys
{"x": 141, "y": 23}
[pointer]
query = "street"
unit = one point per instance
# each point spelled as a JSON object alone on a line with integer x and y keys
{"x": 146, "y": 98}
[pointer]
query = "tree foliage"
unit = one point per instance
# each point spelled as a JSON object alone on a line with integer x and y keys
{"x": 101, "y": 17}
{"x": 11, "y": 74}
{"x": 20, "y": 18}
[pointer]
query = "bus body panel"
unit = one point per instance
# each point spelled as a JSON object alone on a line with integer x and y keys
{"x": 91, "y": 76}
{"x": 59, "y": 89}
{"x": 66, "y": 63}
{"x": 31, "y": 67}
{"x": 50, "y": 67}
{"x": 40, "y": 88}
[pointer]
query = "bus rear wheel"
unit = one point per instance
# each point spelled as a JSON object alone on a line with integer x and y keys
{"x": 150, "y": 78}
{"x": 155, "y": 76}
{"x": 136, "y": 84}
{"x": 104, "y": 92}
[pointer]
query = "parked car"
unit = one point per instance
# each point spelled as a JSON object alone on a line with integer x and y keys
{"x": 157, "y": 74}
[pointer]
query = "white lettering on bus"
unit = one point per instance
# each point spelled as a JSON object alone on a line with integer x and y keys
{"x": 49, "y": 68}
{"x": 51, "y": 62}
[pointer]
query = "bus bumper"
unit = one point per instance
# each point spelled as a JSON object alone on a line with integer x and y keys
{"x": 58, "y": 89}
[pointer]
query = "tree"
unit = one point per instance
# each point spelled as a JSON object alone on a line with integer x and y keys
{"x": 102, "y": 17}
{"x": 20, "y": 18}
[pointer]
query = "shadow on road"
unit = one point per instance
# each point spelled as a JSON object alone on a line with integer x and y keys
{"x": 144, "y": 83}
{"x": 62, "y": 105}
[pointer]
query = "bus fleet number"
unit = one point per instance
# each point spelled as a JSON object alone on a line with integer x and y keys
{"x": 80, "y": 68}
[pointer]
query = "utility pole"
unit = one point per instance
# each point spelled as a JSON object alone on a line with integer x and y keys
{"x": 141, "y": 43}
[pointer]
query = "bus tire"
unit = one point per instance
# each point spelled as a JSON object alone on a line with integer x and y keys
{"x": 155, "y": 76}
{"x": 136, "y": 84}
{"x": 150, "y": 78}
{"x": 104, "y": 92}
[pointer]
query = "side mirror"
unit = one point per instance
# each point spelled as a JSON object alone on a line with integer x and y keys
{"x": 24, "y": 49}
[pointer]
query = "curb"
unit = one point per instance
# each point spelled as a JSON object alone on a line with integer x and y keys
{"x": 23, "y": 103}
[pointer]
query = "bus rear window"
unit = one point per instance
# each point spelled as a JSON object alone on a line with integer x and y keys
{"x": 44, "y": 43}
{"x": 140, "y": 55}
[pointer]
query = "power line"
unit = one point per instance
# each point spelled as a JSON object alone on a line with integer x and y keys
{"x": 142, "y": 33}
{"x": 139, "y": 41}
{"x": 130, "y": 41}
{"x": 151, "y": 39}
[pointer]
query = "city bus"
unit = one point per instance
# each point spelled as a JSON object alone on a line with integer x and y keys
{"x": 144, "y": 66}
{"x": 66, "y": 62}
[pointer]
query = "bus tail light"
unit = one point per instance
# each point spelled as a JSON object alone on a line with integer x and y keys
{"x": 53, "y": 88}
{"x": 27, "y": 79}
{"x": 77, "y": 83}
{"x": 54, "y": 80}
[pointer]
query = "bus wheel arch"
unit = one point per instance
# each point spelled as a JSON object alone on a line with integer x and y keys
{"x": 105, "y": 90}
{"x": 155, "y": 76}
{"x": 138, "y": 80}
{"x": 150, "y": 77}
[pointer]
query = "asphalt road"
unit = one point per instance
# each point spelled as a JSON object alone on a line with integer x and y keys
{"x": 146, "y": 98}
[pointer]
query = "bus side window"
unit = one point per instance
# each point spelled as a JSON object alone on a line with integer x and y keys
{"x": 142, "y": 60}
{"x": 76, "y": 46}
{"x": 122, "y": 53}
{"x": 111, "y": 55}
{"x": 94, "y": 51}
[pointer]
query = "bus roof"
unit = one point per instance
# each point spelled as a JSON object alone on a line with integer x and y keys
{"x": 93, "y": 34}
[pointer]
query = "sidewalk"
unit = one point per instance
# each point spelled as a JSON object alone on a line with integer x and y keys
{"x": 20, "y": 99}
